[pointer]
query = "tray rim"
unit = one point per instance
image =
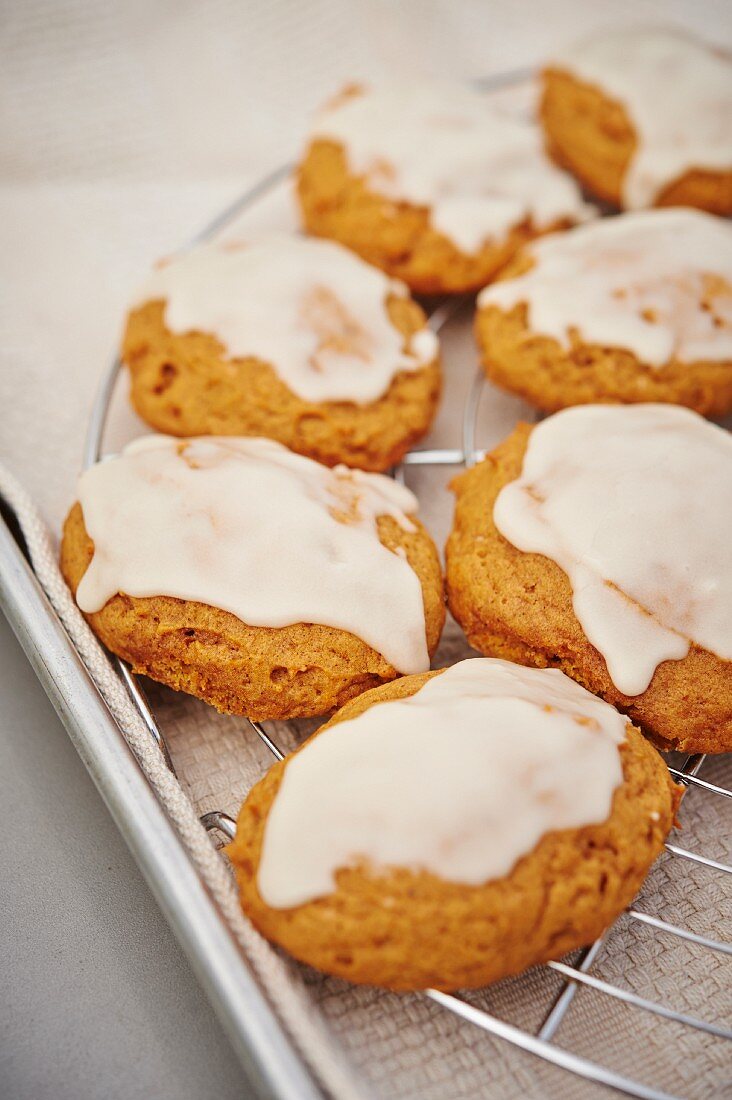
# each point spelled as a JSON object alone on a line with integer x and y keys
{"x": 269, "y": 1059}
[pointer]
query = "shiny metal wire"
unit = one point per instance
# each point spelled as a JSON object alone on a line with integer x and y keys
{"x": 542, "y": 1043}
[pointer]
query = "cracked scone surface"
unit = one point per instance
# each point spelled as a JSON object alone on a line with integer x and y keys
{"x": 395, "y": 235}
{"x": 404, "y": 929}
{"x": 186, "y": 384}
{"x": 263, "y": 672}
{"x": 592, "y": 136}
{"x": 519, "y": 606}
{"x": 552, "y": 377}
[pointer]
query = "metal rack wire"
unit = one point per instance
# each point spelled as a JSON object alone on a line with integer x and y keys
{"x": 542, "y": 1042}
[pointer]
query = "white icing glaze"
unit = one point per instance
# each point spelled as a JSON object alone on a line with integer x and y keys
{"x": 445, "y": 147}
{"x": 461, "y": 779}
{"x": 311, "y": 309}
{"x": 634, "y": 503}
{"x": 678, "y": 94}
{"x": 657, "y": 283}
{"x": 248, "y": 527}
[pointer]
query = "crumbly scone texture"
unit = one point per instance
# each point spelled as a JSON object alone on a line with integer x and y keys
{"x": 186, "y": 384}
{"x": 518, "y": 606}
{"x": 405, "y": 929}
{"x": 593, "y": 137}
{"x": 263, "y": 672}
{"x": 395, "y": 236}
{"x": 552, "y": 376}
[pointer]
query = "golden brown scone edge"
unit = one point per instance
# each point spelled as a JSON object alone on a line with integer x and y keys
{"x": 395, "y": 236}
{"x": 552, "y": 377}
{"x": 264, "y": 672}
{"x": 186, "y": 384}
{"x": 591, "y": 135}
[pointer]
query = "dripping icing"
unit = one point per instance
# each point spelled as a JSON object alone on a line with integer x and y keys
{"x": 248, "y": 527}
{"x": 440, "y": 145}
{"x": 311, "y": 309}
{"x": 461, "y": 780}
{"x": 634, "y": 503}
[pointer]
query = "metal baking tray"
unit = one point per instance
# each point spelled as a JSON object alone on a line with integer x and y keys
{"x": 272, "y": 1064}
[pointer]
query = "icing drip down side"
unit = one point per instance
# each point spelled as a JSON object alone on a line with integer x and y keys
{"x": 677, "y": 93}
{"x": 246, "y": 526}
{"x": 656, "y": 283}
{"x": 634, "y": 503}
{"x": 461, "y": 780}
{"x": 311, "y": 309}
{"x": 442, "y": 146}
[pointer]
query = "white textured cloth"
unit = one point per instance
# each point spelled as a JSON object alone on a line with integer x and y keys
{"x": 125, "y": 127}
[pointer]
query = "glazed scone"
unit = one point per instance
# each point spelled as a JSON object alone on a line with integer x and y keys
{"x": 294, "y": 339}
{"x": 431, "y": 183}
{"x": 632, "y": 308}
{"x": 252, "y": 577}
{"x": 454, "y": 828}
{"x": 643, "y": 117}
{"x": 597, "y": 542}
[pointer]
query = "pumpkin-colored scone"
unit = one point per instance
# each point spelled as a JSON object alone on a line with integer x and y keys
{"x": 185, "y": 380}
{"x": 591, "y": 136}
{"x": 551, "y": 377}
{"x": 375, "y": 210}
{"x": 587, "y": 133}
{"x": 296, "y": 670}
{"x": 410, "y": 929}
{"x": 285, "y": 672}
{"x": 518, "y": 606}
{"x": 396, "y": 236}
{"x": 187, "y": 385}
{"x": 597, "y": 135}
{"x": 555, "y": 370}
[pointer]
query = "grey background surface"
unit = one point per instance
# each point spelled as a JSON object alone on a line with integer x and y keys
{"x": 96, "y": 997}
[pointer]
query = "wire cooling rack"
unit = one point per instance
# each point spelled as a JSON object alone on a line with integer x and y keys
{"x": 540, "y": 1042}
